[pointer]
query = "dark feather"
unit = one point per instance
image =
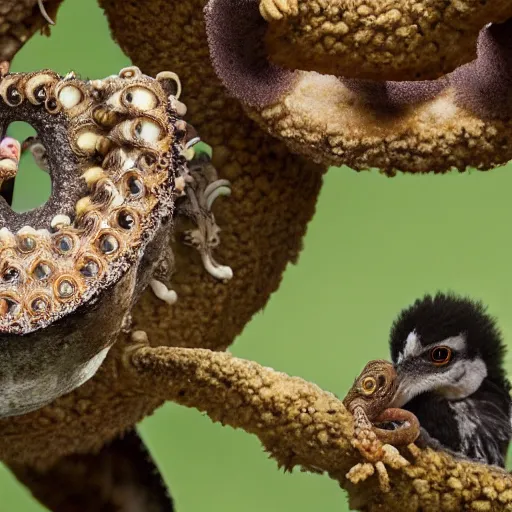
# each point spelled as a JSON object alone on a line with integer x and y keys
{"x": 477, "y": 426}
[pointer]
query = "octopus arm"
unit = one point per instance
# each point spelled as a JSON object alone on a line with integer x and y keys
{"x": 301, "y": 425}
{"x": 20, "y": 20}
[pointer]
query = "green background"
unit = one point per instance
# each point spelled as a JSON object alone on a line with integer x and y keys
{"x": 374, "y": 245}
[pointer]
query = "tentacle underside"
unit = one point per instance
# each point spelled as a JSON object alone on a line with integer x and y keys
{"x": 378, "y": 39}
{"x": 458, "y": 121}
{"x": 122, "y": 475}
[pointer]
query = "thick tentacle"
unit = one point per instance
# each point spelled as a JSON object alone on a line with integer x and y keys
{"x": 263, "y": 220}
{"x": 120, "y": 476}
{"x": 20, "y": 20}
{"x": 79, "y": 422}
{"x": 377, "y": 39}
{"x": 299, "y": 424}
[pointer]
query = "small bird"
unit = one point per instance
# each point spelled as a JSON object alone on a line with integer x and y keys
{"x": 448, "y": 354}
{"x": 35, "y": 146}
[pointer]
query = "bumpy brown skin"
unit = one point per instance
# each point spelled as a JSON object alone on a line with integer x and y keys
{"x": 263, "y": 222}
{"x": 19, "y": 20}
{"x": 461, "y": 120}
{"x": 273, "y": 192}
{"x": 363, "y": 136}
{"x": 301, "y": 425}
{"x": 377, "y": 39}
{"x": 273, "y": 198}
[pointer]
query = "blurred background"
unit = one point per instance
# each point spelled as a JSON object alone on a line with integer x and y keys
{"x": 374, "y": 245}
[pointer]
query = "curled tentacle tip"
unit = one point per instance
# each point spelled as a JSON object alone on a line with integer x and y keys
{"x": 218, "y": 192}
{"x": 214, "y": 190}
{"x": 163, "y": 293}
{"x": 44, "y": 13}
{"x": 171, "y": 83}
{"x": 220, "y": 272}
{"x": 226, "y": 272}
{"x": 215, "y": 185}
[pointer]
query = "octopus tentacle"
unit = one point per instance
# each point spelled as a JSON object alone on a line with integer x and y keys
{"x": 301, "y": 425}
{"x": 263, "y": 223}
{"x": 203, "y": 189}
{"x": 273, "y": 192}
{"x": 71, "y": 264}
{"x": 377, "y": 39}
{"x": 20, "y": 20}
{"x": 459, "y": 121}
{"x": 404, "y": 435}
{"x": 162, "y": 292}
{"x": 112, "y": 149}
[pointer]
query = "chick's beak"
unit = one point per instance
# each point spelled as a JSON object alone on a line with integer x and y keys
{"x": 401, "y": 395}
{"x": 408, "y": 383}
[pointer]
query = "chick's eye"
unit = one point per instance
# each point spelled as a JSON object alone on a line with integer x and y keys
{"x": 440, "y": 355}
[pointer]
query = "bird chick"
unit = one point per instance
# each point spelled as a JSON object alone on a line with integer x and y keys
{"x": 448, "y": 354}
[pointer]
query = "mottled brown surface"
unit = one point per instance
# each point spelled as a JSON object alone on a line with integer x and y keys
{"x": 19, "y": 20}
{"x": 120, "y": 476}
{"x": 80, "y": 422}
{"x": 273, "y": 198}
{"x": 301, "y": 425}
{"x": 273, "y": 191}
{"x": 458, "y": 121}
{"x": 378, "y": 39}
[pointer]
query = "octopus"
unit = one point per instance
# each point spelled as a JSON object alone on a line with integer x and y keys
{"x": 124, "y": 290}
{"x": 367, "y": 400}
